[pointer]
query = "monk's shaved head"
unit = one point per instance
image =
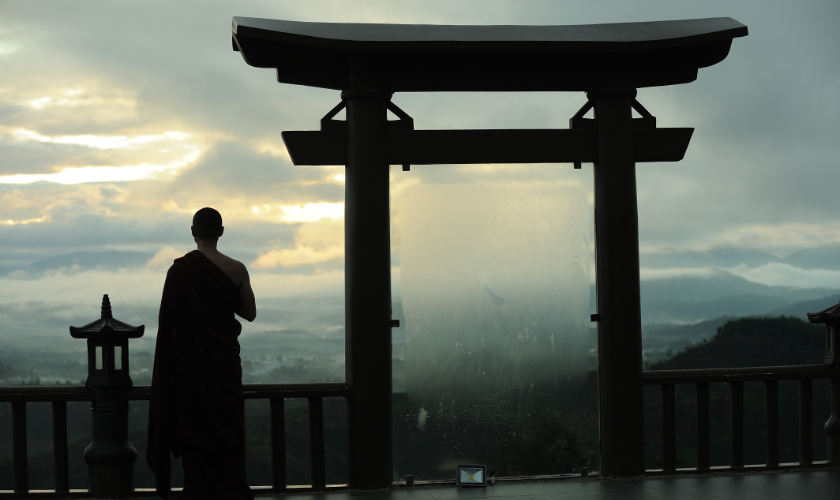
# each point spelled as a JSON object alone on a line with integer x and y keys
{"x": 207, "y": 223}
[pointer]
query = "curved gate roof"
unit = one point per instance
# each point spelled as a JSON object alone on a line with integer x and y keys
{"x": 487, "y": 58}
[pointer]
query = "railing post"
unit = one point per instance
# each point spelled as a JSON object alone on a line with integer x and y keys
{"x": 617, "y": 286}
{"x": 62, "y": 469}
{"x": 736, "y": 425}
{"x": 278, "y": 443}
{"x": 20, "y": 455}
{"x": 806, "y": 417}
{"x": 832, "y": 426}
{"x": 669, "y": 428}
{"x": 703, "y": 455}
{"x": 771, "y": 421}
{"x": 316, "y": 442}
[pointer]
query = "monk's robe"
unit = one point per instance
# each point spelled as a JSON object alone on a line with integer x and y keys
{"x": 196, "y": 410}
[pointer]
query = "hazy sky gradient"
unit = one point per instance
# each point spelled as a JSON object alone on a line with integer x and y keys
{"x": 119, "y": 119}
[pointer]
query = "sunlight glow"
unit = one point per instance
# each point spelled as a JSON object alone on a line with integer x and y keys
{"x": 78, "y": 98}
{"x": 310, "y": 212}
{"x": 339, "y": 177}
{"x": 40, "y": 103}
{"x": 11, "y": 222}
{"x": 78, "y": 175}
{"x": 95, "y": 141}
{"x": 7, "y": 48}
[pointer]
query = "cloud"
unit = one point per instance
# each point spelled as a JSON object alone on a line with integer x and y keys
{"x": 780, "y": 274}
{"x": 309, "y": 212}
{"x": 314, "y": 243}
{"x": 39, "y": 311}
{"x": 758, "y": 173}
{"x": 173, "y": 148}
{"x": 325, "y": 233}
{"x": 164, "y": 258}
{"x": 78, "y": 175}
{"x": 291, "y": 257}
{"x": 238, "y": 169}
{"x": 102, "y": 142}
{"x": 718, "y": 256}
{"x": 649, "y": 274}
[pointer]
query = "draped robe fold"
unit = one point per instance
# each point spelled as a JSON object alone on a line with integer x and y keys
{"x": 196, "y": 407}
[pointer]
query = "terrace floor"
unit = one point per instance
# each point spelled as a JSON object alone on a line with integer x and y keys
{"x": 788, "y": 485}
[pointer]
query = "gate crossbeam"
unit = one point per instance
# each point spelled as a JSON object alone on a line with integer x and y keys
{"x": 455, "y": 147}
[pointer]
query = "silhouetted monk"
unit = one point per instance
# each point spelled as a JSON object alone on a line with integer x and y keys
{"x": 196, "y": 409}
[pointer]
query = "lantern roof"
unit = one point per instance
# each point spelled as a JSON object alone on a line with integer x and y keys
{"x": 413, "y": 57}
{"x": 829, "y": 315}
{"x": 107, "y": 326}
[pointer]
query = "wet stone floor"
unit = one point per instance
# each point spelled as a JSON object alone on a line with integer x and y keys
{"x": 790, "y": 485}
{"x": 787, "y": 485}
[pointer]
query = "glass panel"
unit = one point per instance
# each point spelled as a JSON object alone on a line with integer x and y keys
{"x": 117, "y": 357}
{"x": 494, "y": 282}
{"x": 99, "y": 357}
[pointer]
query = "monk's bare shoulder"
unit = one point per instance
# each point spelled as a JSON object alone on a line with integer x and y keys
{"x": 235, "y": 270}
{"x": 240, "y": 271}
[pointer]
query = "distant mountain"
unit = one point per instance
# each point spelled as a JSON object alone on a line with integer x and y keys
{"x": 109, "y": 260}
{"x": 821, "y": 257}
{"x": 291, "y": 344}
{"x": 704, "y": 329}
{"x": 717, "y": 285}
{"x": 677, "y": 312}
{"x": 755, "y": 342}
{"x": 691, "y": 299}
{"x": 800, "y": 309}
{"x": 723, "y": 256}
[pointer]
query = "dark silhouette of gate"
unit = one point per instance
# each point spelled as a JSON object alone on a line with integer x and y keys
{"x": 370, "y": 62}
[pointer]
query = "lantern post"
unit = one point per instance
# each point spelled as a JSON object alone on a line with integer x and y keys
{"x": 109, "y": 456}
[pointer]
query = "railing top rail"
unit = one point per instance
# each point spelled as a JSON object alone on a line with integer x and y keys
{"x": 143, "y": 392}
{"x": 793, "y": 372}
{"x": 45, "y": 393}
{"x": 263, "y": 391}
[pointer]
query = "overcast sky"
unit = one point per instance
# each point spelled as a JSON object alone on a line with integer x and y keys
{"x": 119, "y": 119}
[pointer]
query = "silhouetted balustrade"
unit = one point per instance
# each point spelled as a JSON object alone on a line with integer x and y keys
{"x": 735, "y": 377}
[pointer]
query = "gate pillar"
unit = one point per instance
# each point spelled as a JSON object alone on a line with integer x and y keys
{"x": 617, "y": 286}
{"x": 367, "y": 253}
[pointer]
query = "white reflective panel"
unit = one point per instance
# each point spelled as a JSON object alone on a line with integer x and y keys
{"x": 117, "y": 357}
{"x": 494, "y": 282}
{"x": 99, "y": 357}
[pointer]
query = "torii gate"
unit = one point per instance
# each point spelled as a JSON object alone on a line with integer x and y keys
{"x": 369, "y": 62}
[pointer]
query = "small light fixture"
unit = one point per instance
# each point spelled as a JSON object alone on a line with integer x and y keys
{"x": 471, "y": 475}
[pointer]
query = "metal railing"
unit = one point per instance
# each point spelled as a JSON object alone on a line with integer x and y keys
{"x": 60, "y": 395}
{"x": 735, "y": 377}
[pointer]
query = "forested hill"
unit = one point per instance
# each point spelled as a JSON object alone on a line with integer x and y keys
{"x": 745, "y": 342}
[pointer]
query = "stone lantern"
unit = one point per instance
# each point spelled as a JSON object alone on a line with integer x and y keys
{"x": 831, "y": 318}
{"x": 110, "y": 457}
